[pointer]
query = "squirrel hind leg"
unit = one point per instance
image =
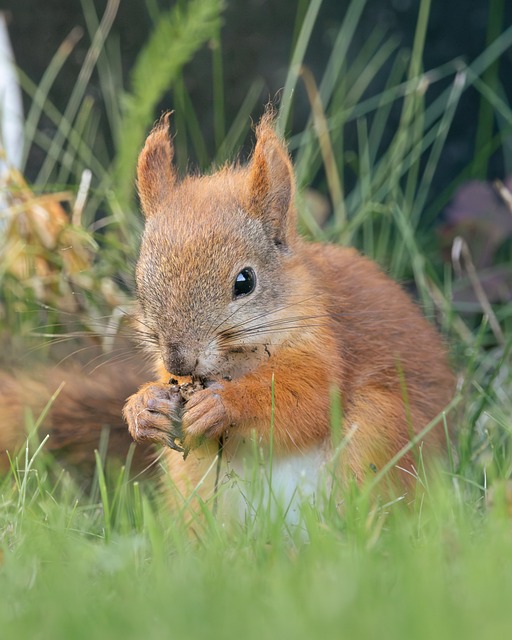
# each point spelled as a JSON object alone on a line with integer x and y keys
{"x": 377, "y": 427}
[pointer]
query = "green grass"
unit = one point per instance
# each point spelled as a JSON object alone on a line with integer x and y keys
{"x": 72, "y": 568}
{"x": 112, "y": 561}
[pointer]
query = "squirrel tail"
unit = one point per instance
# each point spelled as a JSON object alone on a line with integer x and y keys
{"x": 77, "y": 410}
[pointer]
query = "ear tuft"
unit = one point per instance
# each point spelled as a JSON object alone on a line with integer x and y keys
{"x": 156, "y": 175}
{"x": 271, "y": 183}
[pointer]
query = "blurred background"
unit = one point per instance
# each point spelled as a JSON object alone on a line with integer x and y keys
{"x": 257, "y": 40}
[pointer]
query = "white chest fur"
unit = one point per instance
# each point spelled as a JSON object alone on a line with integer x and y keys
{"x": 253, "y": 483}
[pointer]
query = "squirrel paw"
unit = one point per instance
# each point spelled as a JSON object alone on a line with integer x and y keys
{"x": 205, "y": 415}
{"x": 154, "y": 414}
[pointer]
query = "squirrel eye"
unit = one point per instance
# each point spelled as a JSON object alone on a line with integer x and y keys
{"x": 244, "y": 283}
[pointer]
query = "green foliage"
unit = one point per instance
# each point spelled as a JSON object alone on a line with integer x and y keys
{"x": 178, "y": 34}
{"x": 84, "y": 568}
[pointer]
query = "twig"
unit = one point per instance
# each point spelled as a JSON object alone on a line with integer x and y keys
{"x": 505, "y": 194}
{"x": 81, "y": 197}
{"x": 460, "y": 250}
{"x": 328, "y": 156}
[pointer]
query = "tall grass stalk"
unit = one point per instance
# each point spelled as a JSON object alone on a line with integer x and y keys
{"x": 79, "y": 89}
{"x": 178, "y": 34}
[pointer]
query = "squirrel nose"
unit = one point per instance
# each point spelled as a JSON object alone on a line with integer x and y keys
{"x": 176, "y": 360}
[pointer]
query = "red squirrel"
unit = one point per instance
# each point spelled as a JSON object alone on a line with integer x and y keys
{"x": 252, "y": 331}
{"x": 271, "y": 326}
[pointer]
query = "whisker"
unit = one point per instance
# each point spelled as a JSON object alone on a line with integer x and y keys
{"x": 291, "y": 323}
{"x": 74, "y": 334}
{"x": 257, "y": 317}
{"x": 42, "y": 306}
{"x": 241, "y": 330}
{"x": 110, "y": 355}
{"x": 237, "y": 310}
{"x": 119, "y": 359}
{"x": 259, "y": 332}
{"x": 73, "y": 354}
{"x": 57, "y": 341}
{"x": 282, "y": 308}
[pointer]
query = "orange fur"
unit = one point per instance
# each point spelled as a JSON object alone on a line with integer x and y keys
{"x": 336, "y": 321}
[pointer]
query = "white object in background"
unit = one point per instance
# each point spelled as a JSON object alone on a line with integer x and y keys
{"x": 11, "y": 106}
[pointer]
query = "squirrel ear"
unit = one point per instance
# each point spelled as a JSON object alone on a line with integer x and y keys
{"x": 271, "y": 183}
{"x": 156, "y": 175}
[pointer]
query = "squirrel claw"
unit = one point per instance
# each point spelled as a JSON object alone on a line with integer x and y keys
{"x": 170, "y": 441}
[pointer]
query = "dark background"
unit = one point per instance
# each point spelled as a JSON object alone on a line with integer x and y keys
{"x": 257, "y": 38}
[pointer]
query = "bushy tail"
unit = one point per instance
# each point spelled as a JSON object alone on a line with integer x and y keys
{"x": 85, "y": 406}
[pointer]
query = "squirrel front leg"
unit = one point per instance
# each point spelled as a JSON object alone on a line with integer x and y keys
{"x": 291, "y": 390}
{"x": 153, "y": 414}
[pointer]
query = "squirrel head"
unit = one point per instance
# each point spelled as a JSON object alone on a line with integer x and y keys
{"x": 214, "y": 281}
